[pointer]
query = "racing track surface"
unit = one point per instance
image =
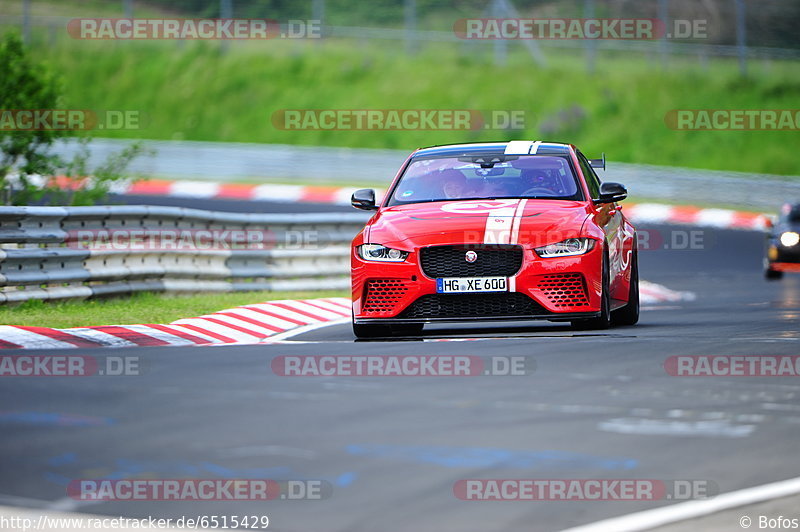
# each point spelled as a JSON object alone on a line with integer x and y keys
{"x": 599, "y": 405}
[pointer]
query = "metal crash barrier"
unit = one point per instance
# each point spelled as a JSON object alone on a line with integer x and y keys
{"x": 81, "y": 252}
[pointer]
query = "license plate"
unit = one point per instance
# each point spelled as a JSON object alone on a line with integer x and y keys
{"x": 453, "y": 285}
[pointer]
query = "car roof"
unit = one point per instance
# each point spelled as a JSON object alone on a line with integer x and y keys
{"x": 515, "y": 147}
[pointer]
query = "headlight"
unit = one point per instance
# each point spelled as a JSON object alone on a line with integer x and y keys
{"x": 566, "y": 248}
{"x": 790, "y": 238}
{"x": 378, "y": 253}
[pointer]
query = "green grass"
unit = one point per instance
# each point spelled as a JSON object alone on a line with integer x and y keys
{"x": 139, "y": 308}
{"x": 194, "y": 92}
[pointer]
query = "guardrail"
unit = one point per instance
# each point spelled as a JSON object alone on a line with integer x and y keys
{"x": 81, "y": 252}
{"x": 305, "y": 165}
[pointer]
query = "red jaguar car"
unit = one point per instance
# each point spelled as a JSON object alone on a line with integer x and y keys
{"x": 516, "y": 230}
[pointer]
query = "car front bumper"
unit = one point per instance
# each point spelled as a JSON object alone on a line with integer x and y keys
{"x": 556, "y": 289}
{"x": 782, "y": 258}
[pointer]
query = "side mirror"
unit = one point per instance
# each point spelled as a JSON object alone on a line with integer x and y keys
{"x": 612, "y": 193}
{"x": 364, "y": 199}
{"x": 598, "y": 163}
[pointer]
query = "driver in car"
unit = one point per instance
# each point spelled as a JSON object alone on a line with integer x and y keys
{"x": 454, "y": 184}
{"x": 536, "y": 182}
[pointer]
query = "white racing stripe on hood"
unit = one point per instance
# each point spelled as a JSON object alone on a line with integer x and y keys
{"x": 500, "y": 224}
{"x": 503, "y": 217}
{"x": 517, "y": 221}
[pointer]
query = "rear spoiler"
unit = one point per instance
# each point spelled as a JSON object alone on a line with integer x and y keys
{"x": 598, "y": 163}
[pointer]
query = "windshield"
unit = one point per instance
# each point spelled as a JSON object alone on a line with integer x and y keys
{"x": 793, "y": 216}
{"x": 485, "y": 177}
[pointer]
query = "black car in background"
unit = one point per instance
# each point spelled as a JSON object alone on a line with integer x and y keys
{"x": 783, "y": 243}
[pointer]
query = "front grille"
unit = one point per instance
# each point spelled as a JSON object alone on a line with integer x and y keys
{"x": 383, "y": 295}
{"x": 473, "y": 306}
{"x": 564, "y": 289}
{"x": 450, "y": 261}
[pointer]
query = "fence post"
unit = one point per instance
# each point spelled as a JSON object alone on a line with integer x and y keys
{"x": 410, "y": 15}
{"x": 506, "y": 9}
{"x": 26, "y": 21}
{"x": 500, "y": 45}
{"x": 53, "y": 30}
{"x": 318, "y": 14}
{"x": 741, "y": 37}
{"x": 128, "y": 8}
{"x": 225, "y": 11}
{"x": 663, "y": 16}
{"x": 591, "y": 45}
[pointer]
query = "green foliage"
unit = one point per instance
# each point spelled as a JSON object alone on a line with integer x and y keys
{"x": 24, "y": 84}
{"x": 94, "y": 189}
{"x": 193, "y": 92}
{"x": 26, "y": 164}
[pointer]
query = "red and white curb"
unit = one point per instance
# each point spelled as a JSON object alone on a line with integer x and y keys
{"x": 655, "y": 213}
{"x": 641, "y": 212}
{"x": 242, "y": 191}
{"x": 250, "y": 324}
{"x": 652, "y": 293}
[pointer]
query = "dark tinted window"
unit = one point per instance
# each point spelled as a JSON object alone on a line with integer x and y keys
{"x": 592, "y": 181}
{"x": 792, "y": 214}
{"x": 457, "y": 178}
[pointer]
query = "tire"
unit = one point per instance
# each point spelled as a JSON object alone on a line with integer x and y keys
{"x": 362, "y": 330}
{"x": 603, "y": 321}
{"x": 629, "y": 314}
{"x": 772, "y": 275}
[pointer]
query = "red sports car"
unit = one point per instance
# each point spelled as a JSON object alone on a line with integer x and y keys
{"x": 516, "y": 230}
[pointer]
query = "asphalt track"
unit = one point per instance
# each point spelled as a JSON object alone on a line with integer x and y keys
{"x": 599, "y": 405}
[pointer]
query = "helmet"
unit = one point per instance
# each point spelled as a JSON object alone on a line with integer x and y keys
{"x": 537, "y": 178}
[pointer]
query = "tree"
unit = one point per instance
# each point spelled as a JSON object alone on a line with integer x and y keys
{"x": 25, "y": 85}
{"x": 27, "y": 169}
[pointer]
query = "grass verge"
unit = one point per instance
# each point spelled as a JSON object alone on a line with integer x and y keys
{"x": 139, "y": 308}
{"x": 195, "y": 92}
